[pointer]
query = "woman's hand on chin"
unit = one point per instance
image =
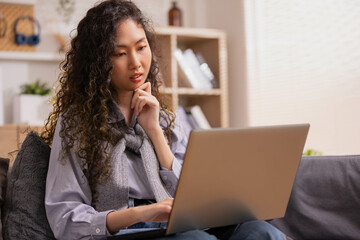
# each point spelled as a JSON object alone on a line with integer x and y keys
{"x": 146, "y": 107}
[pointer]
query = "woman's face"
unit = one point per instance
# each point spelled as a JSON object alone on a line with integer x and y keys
{"x": 132, "y": 57}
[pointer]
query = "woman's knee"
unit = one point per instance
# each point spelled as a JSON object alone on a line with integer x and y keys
{"x": 257, "y": 230}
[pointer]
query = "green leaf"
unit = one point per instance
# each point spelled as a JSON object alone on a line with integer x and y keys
{"x": 35, "y": 88}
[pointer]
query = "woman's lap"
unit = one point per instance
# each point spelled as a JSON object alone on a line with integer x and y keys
{"x": 255, "y": 229}
{"x": 246, "y": 231}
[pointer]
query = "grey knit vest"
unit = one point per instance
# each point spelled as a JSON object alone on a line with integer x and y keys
{"x": 114, "y": 193}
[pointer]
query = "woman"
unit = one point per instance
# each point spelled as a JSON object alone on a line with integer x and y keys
{"x": 116, "y": 148}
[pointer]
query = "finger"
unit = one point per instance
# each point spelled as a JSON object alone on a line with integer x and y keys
{"x": 146, "y": 87}
{"x": 152, "y": 99}
{"x": 134, "y": 98}
{"x": 140, "y": 103}
{"x": 138, "y": 92}
{"x": 140, "y": 106}
{"x": 169, "y": 201}
{"x": 141, "y": 92}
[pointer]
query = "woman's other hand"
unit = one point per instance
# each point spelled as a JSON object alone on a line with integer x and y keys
{"x": 156, "y": 212}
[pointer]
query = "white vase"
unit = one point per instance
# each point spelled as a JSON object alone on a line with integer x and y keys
{"x": 31, "y": 109}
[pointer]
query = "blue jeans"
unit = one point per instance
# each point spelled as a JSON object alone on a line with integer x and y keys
{"x": 251, "y": 230}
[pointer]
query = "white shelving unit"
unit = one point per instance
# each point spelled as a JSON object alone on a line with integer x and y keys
{"x": 31, "y": 56}
{"x": 211, "y": 43}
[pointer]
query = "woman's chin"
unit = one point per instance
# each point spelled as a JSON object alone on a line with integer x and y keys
{"x": 137, "y": 85}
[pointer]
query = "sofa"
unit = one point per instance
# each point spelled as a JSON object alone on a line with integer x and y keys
{"x": 22, "y": 209}
{"x": 325, "y": 199}
{"x": 324, "y": 202}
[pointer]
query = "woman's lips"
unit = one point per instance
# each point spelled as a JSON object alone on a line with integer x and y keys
{"x": 136, "y": 77}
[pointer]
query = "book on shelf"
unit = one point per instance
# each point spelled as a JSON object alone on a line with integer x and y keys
{"x": 193, "y": 63}
{"x": 191, "y": 118}
{"x": 199, "y": 116}
{"x": 187, "y": 76}
{"x": 184, "y": 79}
{"x": 204, "y": 67}
{"x": 191, "y": 74}
{"x": 192, "y": 121}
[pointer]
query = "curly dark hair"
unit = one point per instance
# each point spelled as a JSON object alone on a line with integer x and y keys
{"x": 85, "y": 91}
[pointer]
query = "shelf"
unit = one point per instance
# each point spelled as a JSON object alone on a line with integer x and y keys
{"x": 167, "y": 90}
{"x": 21, "y": 2}
{"x": 193, "y": 33}
{"x": 192, "y": 91}
{"x": 211, "y": 43}
{"x": 31, "y": 56}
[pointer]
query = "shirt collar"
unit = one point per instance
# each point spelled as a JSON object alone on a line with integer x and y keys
{"x": 116, "y": 116}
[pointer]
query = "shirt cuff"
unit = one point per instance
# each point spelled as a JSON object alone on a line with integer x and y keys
{"x": 171, "y": 178}
{"x": 176, "y": 168}
{"x": 98, "y": 225}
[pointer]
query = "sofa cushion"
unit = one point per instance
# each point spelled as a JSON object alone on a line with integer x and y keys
{"x": 4, "y": 166}
{"x": 325, "y": 199}
{"x": 24, "y": 211}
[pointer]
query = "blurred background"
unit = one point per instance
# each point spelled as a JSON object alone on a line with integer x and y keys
{"x": 289, "y": 61}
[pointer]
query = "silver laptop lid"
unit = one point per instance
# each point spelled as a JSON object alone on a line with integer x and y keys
{"x": 233, "y": 174}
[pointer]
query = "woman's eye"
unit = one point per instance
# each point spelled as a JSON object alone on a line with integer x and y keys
{"x": 142, "y": 48}
{"x": 120, "y": 54}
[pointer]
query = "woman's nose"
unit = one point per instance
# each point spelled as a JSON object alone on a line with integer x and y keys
{"x": 134, "y": 61}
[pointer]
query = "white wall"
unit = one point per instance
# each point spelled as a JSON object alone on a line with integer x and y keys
{"x": 228, "y": 16}
{"x": 156, "y": 10}
{"x": 303, "y": 63}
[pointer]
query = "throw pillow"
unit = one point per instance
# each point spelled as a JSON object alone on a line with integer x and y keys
{"x": 24, "y": 212}
{"x": 4, "y": 166}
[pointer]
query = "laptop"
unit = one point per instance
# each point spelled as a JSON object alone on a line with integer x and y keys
{"x": 231, "y": 175}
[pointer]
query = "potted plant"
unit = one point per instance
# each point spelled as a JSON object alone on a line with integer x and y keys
{"x": 32, "y": 105}
{"x": 312, "y": 152}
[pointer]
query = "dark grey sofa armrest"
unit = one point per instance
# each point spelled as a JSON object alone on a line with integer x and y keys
{"x": 325, "y": 199}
